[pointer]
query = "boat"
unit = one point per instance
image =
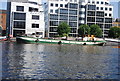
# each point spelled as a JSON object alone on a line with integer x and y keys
{"x": 25, "y": 39}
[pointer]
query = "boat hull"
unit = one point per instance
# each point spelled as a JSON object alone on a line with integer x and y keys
{"x": 52, "y": 41}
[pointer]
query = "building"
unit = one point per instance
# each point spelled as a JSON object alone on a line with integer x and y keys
{"x": 119, "y": 9}
{"x": 25, "y": 17}
{"x": 76, "y": 13}
{"x": 3, "y": 21}
{"x": 116, "y": 22}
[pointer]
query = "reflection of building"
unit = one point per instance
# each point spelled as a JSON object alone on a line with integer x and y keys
{"x": 117, "y": 22}
{"x": 76, "y": 13}
{"x": 3, "y": 21}
{"x": 25, "y": 17}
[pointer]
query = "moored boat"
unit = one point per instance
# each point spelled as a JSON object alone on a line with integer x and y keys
{"x": 55, "y": 41}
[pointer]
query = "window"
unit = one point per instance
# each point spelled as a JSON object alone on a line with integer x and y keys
{"x": 91, "y": 7}
{"x": 71, "y": 0}
{"x": 97, "y": 2}
{"x": 66, "y": 0}
{"x": 73, "y": 12}
{"x": 106, "y": 3}
{"x": 53, "y": 23}
{"x": 101, "y": 2}
{"x": 110, "y": 9}
{"x": 51, "y": 10}
{"x": 93, "y": 2}
{"x": 33, "y": 9}
{"x": 63, "y": 11}
{"x": 56, "y": 5}
{"x": 20, "y": 8}
{"x": 19, "y": 16}
{"x": 105, "y": 8}
{"x": 53, "y": 17}
{"x": 100, "y": 13}
{"x": 91, "y": 13}
{"x": 51, "y": 4}
{"x": 66, "y": 6}
{"x": 110, "y": 15}
{"x": 61, "y": 5}
{"x": 101, "y": 8}
{"x": 97, "y": 8}
{"x": 36, "y": 17}
{"x": 105, "y": 14}
{"x": 35, "y": 25}
{"x": 74, "y": 6}
{"x": 19, "y": 24}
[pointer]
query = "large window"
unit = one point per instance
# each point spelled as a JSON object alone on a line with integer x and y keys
{"x": 53, "y": 29}
{"x": 63, "y": 17}
{"x": 108, "y": 20}
{"x": 73, "y": 18}
{"x": 91, "y": 19}
{"x": 35, "y": 17}
{"x": 75, "y": 6}
{"x": 73, "y": 24}
{"x": 20, "y": 8}
{"x": 91, "y": 7}
{"x": 19, "y": 24}
{"x": 91, "y": 13}
{"x": 100, "y": 13}
{"x": 19, "y": 16}
{"x": 63, "y": 11}
{"x": 33, "y": 9}
{"x": 53, "y": 23}
{"x": 53, "y": 17}
{"x": 99, "y": 19}
{"x": 73, "y": 12}
{"x": 35, "y": 25}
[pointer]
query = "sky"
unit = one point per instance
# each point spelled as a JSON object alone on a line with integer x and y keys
{"x": 3, "y": 6}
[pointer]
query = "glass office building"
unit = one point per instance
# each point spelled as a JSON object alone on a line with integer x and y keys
{"x": 76, "y": 13}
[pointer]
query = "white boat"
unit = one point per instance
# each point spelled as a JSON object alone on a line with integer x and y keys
{"x": 54, "y": 41}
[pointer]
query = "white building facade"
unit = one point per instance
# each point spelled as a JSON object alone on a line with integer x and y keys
{"x": 25, "y": 18}
{"x": 89, "y": 12}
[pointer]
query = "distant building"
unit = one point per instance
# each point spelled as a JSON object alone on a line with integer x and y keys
{"x": 116, "y": 22}
{"x": 25, "y": 17}
{"x": 76, "y": 13}
{"x": 3, "y": 21}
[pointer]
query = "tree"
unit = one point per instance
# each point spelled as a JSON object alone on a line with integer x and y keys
{"x": 84, "y": 30}
{"x": 63, "y": 29}
{"x": 95, "y": 30}
{"x": 114, "y": 32}
{"x": 0, "y": 30}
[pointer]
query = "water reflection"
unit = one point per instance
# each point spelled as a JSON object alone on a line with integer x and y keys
{"x": 46, "y": 61}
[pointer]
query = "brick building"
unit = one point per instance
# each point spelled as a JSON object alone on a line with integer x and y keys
{"x": 3, "y": 21}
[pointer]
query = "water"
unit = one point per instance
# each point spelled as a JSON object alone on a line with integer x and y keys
{"x": 52, "y": 61}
